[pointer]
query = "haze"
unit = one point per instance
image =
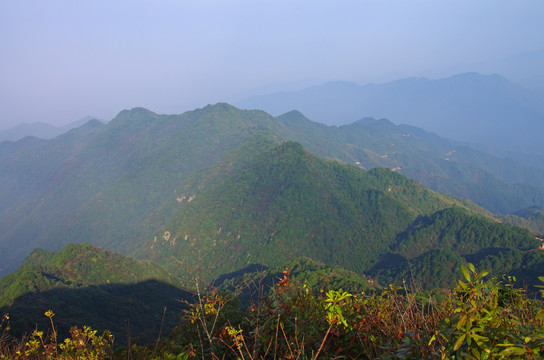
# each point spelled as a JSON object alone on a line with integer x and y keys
{"x": 63, "y": 60}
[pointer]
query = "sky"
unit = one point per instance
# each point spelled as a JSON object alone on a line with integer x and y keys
{"x": 62, "y": 60}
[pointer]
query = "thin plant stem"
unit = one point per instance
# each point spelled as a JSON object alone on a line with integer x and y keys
{"x": 323, "y": 342}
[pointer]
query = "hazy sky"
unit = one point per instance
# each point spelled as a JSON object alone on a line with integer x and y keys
{"x": 63, "y": 60}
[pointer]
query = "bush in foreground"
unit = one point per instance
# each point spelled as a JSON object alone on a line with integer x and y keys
{"x": 479, "y": 319}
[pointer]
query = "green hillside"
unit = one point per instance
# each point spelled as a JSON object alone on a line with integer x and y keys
{"x": 499, "y": 184}
{"x": 433, "y": 247}
{"x": 289, "y": 203}
{"x": 531, "y": 218}
{"x": 85, "y": 285}
{"x": 105, "y": 183}
{"x": 114, "y": 185}
{"x": 232, "y": 197}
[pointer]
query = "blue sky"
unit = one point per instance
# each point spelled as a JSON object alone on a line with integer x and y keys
{"x": 63, "y": 60}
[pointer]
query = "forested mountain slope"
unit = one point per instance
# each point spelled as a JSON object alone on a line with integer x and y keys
{"x": 101, "y": 184}
{"x": 431, "y": 249}
{"x": 114, "y": 185}
{"x": 502, "y": 185}
{"x": 289, "y": 203}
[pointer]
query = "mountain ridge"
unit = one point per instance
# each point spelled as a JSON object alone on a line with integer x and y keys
{"x": 290, "y": 203}
{"x": 114, "y": 185}
{"x": 487, "y": 109}
{"x": 41, "y": 130}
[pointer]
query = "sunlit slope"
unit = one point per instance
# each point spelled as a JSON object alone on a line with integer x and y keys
{"x": 114, "y": 185}
{"x": 432, "y": 247}
{"x": 501, "y": 185}
{"x": 291, "y": 203}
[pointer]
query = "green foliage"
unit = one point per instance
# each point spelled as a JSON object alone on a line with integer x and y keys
{"x": 491, "y": 320}
{"x": 481, "y": 319}
{"x": 333, "y": 305}
{"x": 289, "y": 203}
{"x": 296, "y": 322}
{"x": 433, "y": 247}
{"x": 82, "y": 344}
{"x": 115, "y": 185}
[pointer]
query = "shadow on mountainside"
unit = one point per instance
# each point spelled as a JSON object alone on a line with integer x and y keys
{"x": 134, "y": 310}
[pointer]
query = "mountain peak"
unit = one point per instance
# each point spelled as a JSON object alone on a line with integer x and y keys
{"x": 93, "y": 122}
{"x": 220, "y": 106}
{"x": 293, "y": 116}
{"x": 292, "y": 146}
{"x": 136, "y": 113}
{"x": 364, "y": 121}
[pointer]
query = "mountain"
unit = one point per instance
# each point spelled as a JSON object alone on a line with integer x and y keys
{"x": 525, "y": 67}
{"x": 40, "y": 130}
{"x": 431, "y": 249}
{"x": 35, "y": 194}
{"x": 500, "y": 184}
{"x": 531, "y": 218}
{"x": 100, "y": 185}
{"x": 85, "y": 285}
{"x": 114, "y": 185}
{"x": 219, "y": 191}
{"x": 290, "y": 203}
{"x": 483, "y": 109}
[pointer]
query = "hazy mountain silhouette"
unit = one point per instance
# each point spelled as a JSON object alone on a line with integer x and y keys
{"x": 40, "y": 130}
{"x": 484, "y": 109}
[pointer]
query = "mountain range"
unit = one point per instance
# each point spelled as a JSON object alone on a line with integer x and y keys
{"x": 39, "y": 130}
{"x": 225, "y": 195}
{"x": 483, "y": 109}
{"x": 289, "y": 203}
{"x": 114, "y": 185}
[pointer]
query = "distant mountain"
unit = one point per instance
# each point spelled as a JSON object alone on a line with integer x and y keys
{"x": 531, "y": 218}
{"x": 527, "y": 68}
{"x": 40, "y": 130}
{"x": 483, "y": 109}
{"x": 85, "y": 285}
{"x": 502, "y": 185}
